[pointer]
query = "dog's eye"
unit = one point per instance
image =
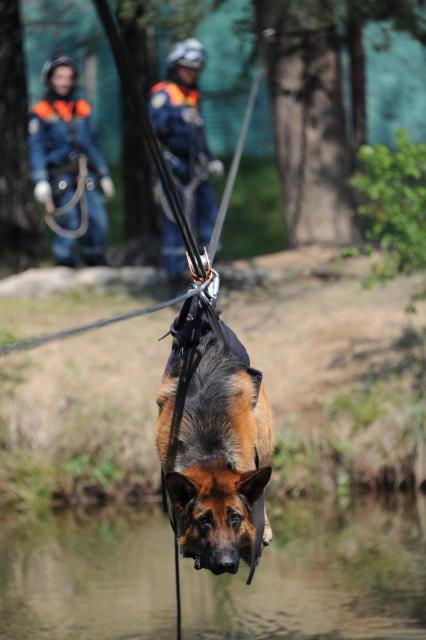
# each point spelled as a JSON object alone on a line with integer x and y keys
{"x": 204, "y": 524}
{"x": 235, "y": 519}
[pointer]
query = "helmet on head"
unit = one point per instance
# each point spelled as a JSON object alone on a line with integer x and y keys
{"x": 189, "y": 53}
{"x": 58, "y": 59}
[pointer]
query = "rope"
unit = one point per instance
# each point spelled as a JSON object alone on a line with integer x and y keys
{"x": 32, "y": 343}
{"x": 226, "y": 197}
{"x": 148, "y": 136}
{"x": 178, "y": 598}
{"x": 79, "y": 195}
{"x": 188, "y": 196}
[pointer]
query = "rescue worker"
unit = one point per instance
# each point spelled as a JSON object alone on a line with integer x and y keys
{"x": 177, "y": 120}
{"x": 60, "y": 133}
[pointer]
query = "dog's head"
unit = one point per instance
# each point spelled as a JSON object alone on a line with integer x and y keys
{"x": 213, "y": 509}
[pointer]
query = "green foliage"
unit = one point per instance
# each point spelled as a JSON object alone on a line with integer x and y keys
{"x": 100, "y": 471}
{"x": 77, "y": 466}
{"x": 179, "y": 18}
{"x": 27, "y": 484}
{"x": 362, "y": 406}
{"x": 255, "y": 221}
{"x": 394, "y": 183}
{"x": 412, "y": 426}
{"x": 6, "y": 336}
{"x": 296, "y": 461}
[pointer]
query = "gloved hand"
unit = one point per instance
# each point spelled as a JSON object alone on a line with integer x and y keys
{"x": 43, "y": 192}
{"x": 216, "y": 168}
{"x": 107, "y": 187}
{"x": 157, "y": 192}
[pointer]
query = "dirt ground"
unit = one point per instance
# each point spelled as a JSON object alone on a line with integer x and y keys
{"x": 313, "y": 332}
{"x": 322, "y": 330}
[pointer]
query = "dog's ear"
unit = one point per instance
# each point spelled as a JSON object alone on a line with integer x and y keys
{"x": 181, "y": 490}
{"x": 252, "y": 483}
{"x": 256, "y": 376}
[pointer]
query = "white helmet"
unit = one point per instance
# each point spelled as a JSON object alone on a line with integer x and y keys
{"x": 189, "y": 53}
{"x": 58, "y": 59}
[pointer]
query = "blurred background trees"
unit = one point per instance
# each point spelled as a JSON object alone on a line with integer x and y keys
{"x": 137, "y": 19}
{"x": 139, "y": 211}
{"x": 309, "y": 121}
{"x": 18, "y": 226}
{"x": 333, "y": 84}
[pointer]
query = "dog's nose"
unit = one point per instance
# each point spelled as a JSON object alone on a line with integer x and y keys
{"x": 227, "y": 563}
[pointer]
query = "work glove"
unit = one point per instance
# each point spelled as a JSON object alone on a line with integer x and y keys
{"x": 107, "y": 187}
{"x": 216, "y": 168}
{"x": 157, "y": 192}
{"x": 43, "y": 192}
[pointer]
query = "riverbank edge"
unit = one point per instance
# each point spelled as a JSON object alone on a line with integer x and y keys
{"x": 372, "y": 437}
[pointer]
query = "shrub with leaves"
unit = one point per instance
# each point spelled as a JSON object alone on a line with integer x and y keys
{"x": 394, "y": 183}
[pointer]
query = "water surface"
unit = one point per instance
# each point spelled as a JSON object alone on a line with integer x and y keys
{"x": 331, "y": 574}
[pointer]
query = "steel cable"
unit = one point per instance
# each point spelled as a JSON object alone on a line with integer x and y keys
{"x": 31, "y": 343}
{"x": 230, "y": 181}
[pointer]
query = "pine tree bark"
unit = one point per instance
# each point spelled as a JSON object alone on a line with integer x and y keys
{"x": 140, "y": 212}
{"x": 19, "y": 231}
{"x": 310, "y": 137}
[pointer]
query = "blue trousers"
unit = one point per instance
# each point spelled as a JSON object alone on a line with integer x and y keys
{"x": 202, "y": 218}
{"x": 93, "y": 243}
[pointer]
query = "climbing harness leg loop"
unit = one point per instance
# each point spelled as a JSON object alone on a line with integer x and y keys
{"x": 78, "y": 197}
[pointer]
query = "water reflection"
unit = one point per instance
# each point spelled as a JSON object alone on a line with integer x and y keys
{"x": 330, "y": 574}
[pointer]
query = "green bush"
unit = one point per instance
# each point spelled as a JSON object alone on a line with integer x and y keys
{"x": 394, "y": 183}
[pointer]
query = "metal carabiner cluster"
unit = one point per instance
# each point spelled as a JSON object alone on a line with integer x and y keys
{"x": 208, "y": 294}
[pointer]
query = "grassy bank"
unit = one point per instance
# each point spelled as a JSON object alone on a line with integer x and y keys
{"x": 71, "y": 431}
{"x": 372, "y": 439}
{"x": 77, "y": 418}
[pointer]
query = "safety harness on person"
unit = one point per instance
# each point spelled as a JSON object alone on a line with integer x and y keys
{"x": 73, "y": 173}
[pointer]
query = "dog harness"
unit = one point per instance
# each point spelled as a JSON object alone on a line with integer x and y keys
{"x": 187, "y": 331}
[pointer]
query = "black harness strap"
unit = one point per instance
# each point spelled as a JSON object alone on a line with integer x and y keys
{"x": 178, "y": 598}
{"x": 187, "y": 331}
{"x": 167, "y": 508}
{"x": 258, "y": 512}
{"x": 191, "y": 360}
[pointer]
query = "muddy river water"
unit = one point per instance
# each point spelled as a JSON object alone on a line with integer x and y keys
{"x": 332, "y": 573}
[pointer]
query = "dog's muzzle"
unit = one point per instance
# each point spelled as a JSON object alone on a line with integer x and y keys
{"x": 228, "y": 562}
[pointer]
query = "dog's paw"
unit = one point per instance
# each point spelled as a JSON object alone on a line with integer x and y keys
{"x": 267, "y": 533}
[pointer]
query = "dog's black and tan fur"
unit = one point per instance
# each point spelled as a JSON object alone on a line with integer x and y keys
{"x": 210, "y": 459}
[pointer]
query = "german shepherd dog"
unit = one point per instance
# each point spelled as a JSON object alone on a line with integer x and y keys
{"x": 214, "y": 442}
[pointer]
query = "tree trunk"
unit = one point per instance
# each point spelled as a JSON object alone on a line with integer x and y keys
{"x": 357, "y": 65}
{"x": 18, "y": 226}
{"x": 140, "y": 212}
{"x": 312, "y": 152}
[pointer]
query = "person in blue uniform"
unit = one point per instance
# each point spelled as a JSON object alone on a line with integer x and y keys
{"x": 60, "y": 132}
{"x": 177, "y": 119}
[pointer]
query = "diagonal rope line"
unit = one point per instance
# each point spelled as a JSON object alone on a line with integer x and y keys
{"x": 32, "y": 343}
{"x": 224, "y": 204}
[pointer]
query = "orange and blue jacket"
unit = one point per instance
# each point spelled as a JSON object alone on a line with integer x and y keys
{"x": 58, "y": 131}
{"x": 176, "y": 117}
